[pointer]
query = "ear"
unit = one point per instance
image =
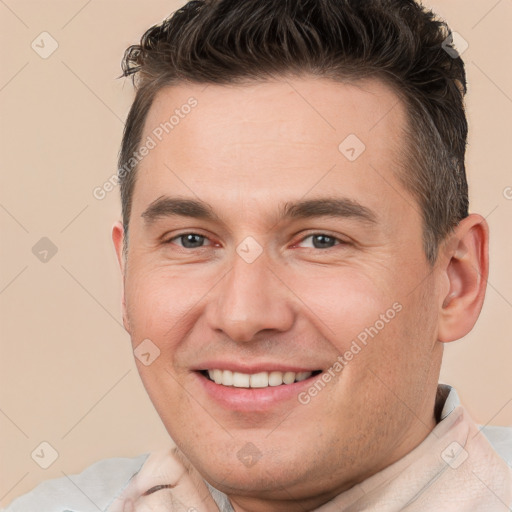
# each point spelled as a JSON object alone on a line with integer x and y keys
{"x": 118, "y": 239}
{"x": 466, "y": 270}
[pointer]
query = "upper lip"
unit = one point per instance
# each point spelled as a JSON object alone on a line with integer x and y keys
{"x": 255, "y": 367}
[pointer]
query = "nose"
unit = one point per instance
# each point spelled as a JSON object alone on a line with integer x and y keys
{"x": 250, "y": 299}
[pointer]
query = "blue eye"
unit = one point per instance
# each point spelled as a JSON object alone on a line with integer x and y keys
{"x": 316, "y": 241}
{"x": 189, "y": 240}
{"x": 321, "y": 241}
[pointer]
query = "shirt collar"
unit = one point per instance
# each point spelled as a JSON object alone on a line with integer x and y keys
{"x": 447, "y": 400}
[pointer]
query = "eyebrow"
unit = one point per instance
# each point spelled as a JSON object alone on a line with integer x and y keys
{"x": 166, "y": 206}
{"x": 328, "y": 207}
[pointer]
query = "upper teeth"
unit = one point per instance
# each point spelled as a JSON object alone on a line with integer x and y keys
{"x": 256, "y": 380}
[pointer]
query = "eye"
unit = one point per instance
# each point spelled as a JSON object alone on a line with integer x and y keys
{"x": 189, "y": 240}
{"x": 321, "y": 241}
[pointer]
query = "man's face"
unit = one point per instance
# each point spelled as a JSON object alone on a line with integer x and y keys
{"x": 300, "y": 252}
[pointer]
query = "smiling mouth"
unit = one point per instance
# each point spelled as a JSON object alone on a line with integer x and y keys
{"x": 256, "y": 380}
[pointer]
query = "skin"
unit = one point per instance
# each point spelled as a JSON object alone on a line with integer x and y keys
{"x": 244, "y": 150}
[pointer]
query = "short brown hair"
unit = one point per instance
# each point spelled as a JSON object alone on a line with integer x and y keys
{"x": 397, "y": 41}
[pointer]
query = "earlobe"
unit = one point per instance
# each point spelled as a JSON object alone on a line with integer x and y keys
{"x": 118, "y": 239}
{"x": 466, "y": 270}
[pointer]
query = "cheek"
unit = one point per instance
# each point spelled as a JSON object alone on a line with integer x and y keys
{"x": 161, "y": 305}
{"x": 370, "y": 319}
{"x": 342, "y": 304}
{"x": 160, "y": 302}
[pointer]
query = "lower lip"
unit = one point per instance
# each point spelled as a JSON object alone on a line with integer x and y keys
{"x": 254, "y": 399}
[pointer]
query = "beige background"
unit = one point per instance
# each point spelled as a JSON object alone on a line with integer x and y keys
{"x": 67, "y": 371}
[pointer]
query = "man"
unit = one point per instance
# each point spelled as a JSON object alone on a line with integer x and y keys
{"x": 296, "y": 249}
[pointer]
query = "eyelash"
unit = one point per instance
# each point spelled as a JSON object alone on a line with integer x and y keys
{"x": 338, "y": 240}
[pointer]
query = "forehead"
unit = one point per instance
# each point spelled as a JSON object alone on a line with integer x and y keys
{"x": 301, "y": 110}
{"x": 273, "y": 139}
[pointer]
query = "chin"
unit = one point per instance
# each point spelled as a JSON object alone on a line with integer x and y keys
{"x": 265, "y": 476}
